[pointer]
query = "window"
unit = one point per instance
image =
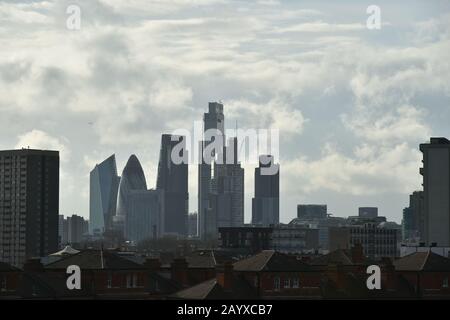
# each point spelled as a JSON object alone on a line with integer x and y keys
{"x": 287, "y": 283}
{"x": 295, "y": 283}
{"x": 445, "y": 283}
{"x": 276, "y": 283}
{"x": 135, "y": 280}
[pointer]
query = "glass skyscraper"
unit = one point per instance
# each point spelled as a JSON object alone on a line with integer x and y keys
{"x": 104, "y": 184}
{"x": 132, "y": 179}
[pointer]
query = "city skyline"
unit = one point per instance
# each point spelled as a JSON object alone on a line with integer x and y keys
{"x": 352, "y": 104}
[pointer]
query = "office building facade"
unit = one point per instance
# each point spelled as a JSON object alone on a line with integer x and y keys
{"x": 144, "y": 215}
{"x": 266, "y": 203}
{"x": 173, "y": 181}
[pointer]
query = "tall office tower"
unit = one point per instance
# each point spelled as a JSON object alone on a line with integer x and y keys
{"x": 312, "y": 211}
{"x": 29, "y": 204}
{"x": 133, "y": 178}
{"x": 77, "y": 227}
{"x": 436, "y": 187}
{"x": 213, "y": 119}
{"x": 104, "y": 184}
{"x": 227, "y": 192}
{"x": 144, "y": 218}
{"x": 173, "y": 180}
{"x": 413, "y": 217}
{"x": 266, "y": 203}
{"x": 368, "y": 212}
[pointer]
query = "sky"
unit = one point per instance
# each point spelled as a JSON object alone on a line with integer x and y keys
{"x": 352, "y": 104}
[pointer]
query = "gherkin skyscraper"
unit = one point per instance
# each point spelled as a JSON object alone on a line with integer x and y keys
{"x": 132, "y": 179}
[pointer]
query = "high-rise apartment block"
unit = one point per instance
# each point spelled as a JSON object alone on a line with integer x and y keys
{"x": 29, "y": 204}
{"x": 436, "y": 188}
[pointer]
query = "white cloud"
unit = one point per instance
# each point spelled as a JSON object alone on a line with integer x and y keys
{"x": 37, "y": 139}
{"x": 370, "y": 170}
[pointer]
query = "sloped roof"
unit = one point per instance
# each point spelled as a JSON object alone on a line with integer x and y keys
{"x": 270, "y": 260}
{"x": 211, "y": 290}
{"x": 422, "y": 261}
{"x": 334, "y": 257}
{"x": 95, "y": 259}
{"x": 4, "y": 267}
{"x": 67, "y": 250}
{"x": 339, "y": 257}
{"x": 203, "y": 259}
{"x": 197, "y": 292}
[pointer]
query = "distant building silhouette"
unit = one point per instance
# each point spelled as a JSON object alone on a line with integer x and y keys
{"x": 132, "y": 179}
{"x": 104, "y": 184}
{"x": 312, "y": 211}
{"x": 368, "y": 212}
{"x": 193, "y": 224}
{"x": 227, "y": 191}
{"x": 413, "y": 218}
{"x": 62, "y": 230}
{"x": 213, "y": 119}
{"x": 173, "y": 180}
{"x": 77, "y": 227}
{"x": 29, "y": 204}
{"x": 266, "y": 203}
{"x": 436, "y": 186}
{"x": 144, "y": 215}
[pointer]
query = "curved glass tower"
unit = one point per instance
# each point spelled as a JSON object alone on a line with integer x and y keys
{"x": 104, "y": 183}
{"x": 133, "y": 178}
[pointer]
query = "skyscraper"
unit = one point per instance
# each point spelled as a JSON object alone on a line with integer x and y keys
{"x": 132, "y": 179}
{"x": 213, "y": 119}
{"x": 436, "y": 187}
{"x": 104, "y": 184}
{"x": 173, "y": 180}
{"x": 29, "y": 204}
{"x": 266, "y": 203}
{"x": 226, "y": 207}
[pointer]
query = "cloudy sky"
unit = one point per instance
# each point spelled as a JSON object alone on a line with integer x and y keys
{"x": 351, "y": 104}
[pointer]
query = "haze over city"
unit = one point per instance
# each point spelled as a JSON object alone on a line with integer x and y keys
{"x": 352, "y": 104}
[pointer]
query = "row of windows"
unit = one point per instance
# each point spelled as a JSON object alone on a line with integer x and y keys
{"x": 287, "y": 283}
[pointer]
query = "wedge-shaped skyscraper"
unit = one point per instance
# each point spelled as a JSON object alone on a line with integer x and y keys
{"x": 104, "y": 184}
